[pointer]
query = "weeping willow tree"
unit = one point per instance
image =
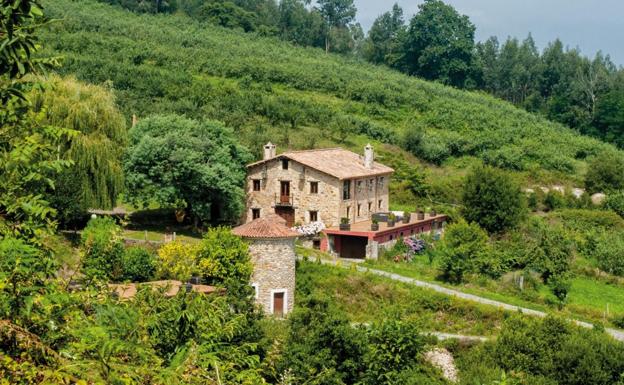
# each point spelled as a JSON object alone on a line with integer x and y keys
{"x": 96, "y": 178}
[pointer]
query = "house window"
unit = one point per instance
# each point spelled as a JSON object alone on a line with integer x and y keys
{"x": 313, "y": 216}
{"x": 255, "y": 213}
{"x": 313, "y": 187}
{"x": 380, "y": 204}
{"x": 316, "y": 244}
{"x": 256, "y": 184}
{"x": 359, "y": 209}
{"x": 348, "y": 211}
{"x": 255, "y": 287}
{"x": 284, "y": 164}
{"x": 371, "y": 184}
{"x": 380, "y": 182}
{"x": 346, "y": 190}
{"x": 370, "y": 207}
{"x": 359, "y": 186}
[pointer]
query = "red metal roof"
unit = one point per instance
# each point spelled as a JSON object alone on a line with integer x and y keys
{"x": 270, "y": 226}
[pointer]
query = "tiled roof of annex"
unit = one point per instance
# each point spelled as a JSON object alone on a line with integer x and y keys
{"x": 270, "y": 226}
{"x": 337, "y": 162}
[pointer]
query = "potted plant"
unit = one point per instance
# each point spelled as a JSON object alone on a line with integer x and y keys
{"x": 391, "y": 220}
{"x": 344, "y": 224}
{"x": 406, "y": 217}
{"x": 374, "y": 224}
{"x": 420, "y": 215}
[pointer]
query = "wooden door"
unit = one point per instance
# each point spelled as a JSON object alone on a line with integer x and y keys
{"x": 278, "y": 304}
{"x": 284, "y": 192}
{"x": 288, "y": 213}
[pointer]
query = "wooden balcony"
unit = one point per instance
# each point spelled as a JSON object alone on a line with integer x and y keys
{"x": 284, "y": 200}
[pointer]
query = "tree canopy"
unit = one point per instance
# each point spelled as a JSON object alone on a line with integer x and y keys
{"x": 493, "y": 199}
{"x": 439, "y": 44}
{"x": 185, "y": 164}
{"x": 95, "y": 178}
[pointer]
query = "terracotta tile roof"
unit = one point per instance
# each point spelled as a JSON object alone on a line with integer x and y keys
{"x": 270, "y": 226}
{"x": 338, "y": 162}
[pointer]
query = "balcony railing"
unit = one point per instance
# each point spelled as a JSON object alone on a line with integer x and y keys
{"x": 283, "y": 200}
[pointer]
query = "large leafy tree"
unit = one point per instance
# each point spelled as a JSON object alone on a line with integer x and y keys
{"x": 384, "y": 35}
{"x": 185, "y": 164}
{"x": 493, "y": 199}
{"x": 95, "y": 179}
{"x": 439, "y": 44}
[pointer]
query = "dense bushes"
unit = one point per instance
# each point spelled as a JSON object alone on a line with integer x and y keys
{"x": 102, "y": 249}
{"x": 463, "y": 245}
{"x": 605, "y": 173}
{"x": 323, "y": 348}
{"x": 557, "y": 351}
{"x": 139, "y": 264}
{"x": 615, "y": 201}
{"x": 493, "y": 200}
{"x": 104, "y": 255}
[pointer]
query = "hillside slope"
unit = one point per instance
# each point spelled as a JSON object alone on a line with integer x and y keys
{"x": 271, "y": 90}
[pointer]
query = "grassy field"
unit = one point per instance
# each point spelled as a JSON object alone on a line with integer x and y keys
{"x": 587, "y": 299}
{"x": 368, "y": 298}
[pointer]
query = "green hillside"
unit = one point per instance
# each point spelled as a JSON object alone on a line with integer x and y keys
{"x": 298, "y": 97}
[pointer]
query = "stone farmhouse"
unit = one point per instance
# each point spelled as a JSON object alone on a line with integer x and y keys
{"x": 317, "y": 185}
{"x": 346, "y": 191}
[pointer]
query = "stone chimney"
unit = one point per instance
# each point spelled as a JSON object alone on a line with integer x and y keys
{"x": 369, "y": 156}
{"x": 269, "y": 151}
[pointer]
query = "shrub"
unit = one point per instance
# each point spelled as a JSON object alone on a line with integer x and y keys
{"x": 102, "y": 249}
{"x": 604, "y": 173}
{"x": 550, "y": 249}
{"x": 393, "y": 347}
{"x": 609, "y": 253}
{"x": 176, "y": 260}
{"x": 493, "y": 200}
{"x": 554, "y": 200}
{"x": 222, "y": 256}
{"x": 463, "y": 244}
{"x": 615, "y": 202}
{"x": 555, "y": 349}
{"x": 139, "y": 264}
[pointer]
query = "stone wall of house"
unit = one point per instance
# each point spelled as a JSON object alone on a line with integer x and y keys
{"x": 369, "y": 194}
{"x": 326, "y": 202}
{"x": 274, "y": 269}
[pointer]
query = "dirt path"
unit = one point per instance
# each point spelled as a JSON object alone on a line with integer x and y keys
{"x": 617, "y": 334}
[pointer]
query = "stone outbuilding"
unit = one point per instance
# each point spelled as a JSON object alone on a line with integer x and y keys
{"x": 272, "y": 249}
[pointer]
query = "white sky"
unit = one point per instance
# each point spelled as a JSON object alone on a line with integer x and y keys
{"x": 590, "y": 25}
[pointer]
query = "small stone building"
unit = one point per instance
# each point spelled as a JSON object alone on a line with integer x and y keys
{"x": 272, "y": 249}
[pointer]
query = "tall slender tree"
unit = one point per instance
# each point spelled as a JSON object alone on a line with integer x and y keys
{"x": 95, "y": 179}
{"x": 338, "y": 14}
{"x": 383, "y": 35}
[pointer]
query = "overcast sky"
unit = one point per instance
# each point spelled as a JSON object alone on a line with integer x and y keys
{"x": 590, "y": 25}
